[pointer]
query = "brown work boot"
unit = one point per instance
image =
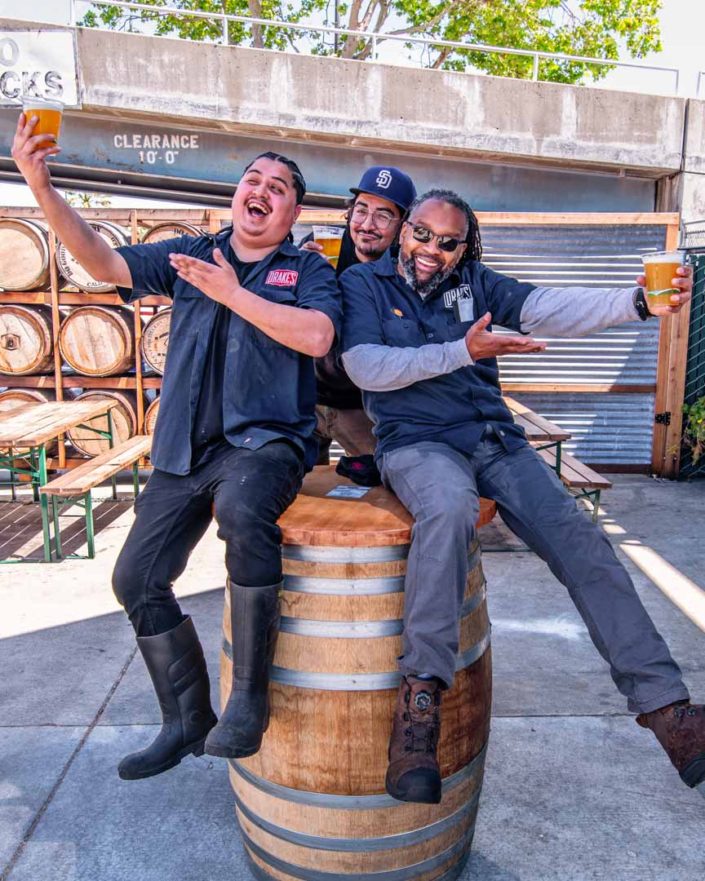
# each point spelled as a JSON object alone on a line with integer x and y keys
{"x": 413, "y": 773}
{"x": 680, "y": 729}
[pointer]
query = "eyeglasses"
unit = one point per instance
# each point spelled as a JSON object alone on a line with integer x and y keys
{"x": 381, "y": 219}
{"x": 445, "y": 243}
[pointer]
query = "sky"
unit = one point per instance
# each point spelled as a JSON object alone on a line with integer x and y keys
{"x": 682, "y": 36}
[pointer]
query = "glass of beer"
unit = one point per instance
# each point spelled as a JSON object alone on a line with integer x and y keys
{"x": 330, "y": 238}
{"x": 659, "y": 269}
{"x": 48, "y": 112}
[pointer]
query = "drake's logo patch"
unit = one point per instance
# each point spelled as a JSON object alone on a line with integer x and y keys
{"x": 282, "y": 278}
{"x": 462, "y": 292}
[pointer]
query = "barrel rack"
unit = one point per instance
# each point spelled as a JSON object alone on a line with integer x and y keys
{"x": 135, "y": 222}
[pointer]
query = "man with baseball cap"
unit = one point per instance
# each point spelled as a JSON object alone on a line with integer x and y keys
{"x": 380, "y": 202}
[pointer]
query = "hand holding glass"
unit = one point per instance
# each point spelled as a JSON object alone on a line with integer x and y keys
{"x": 330, "y": 239}
{"x": 660, "y": 268}
{"x": 48, "y": 112}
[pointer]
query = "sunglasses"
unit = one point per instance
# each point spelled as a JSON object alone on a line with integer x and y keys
{"x": 445, "y": 243}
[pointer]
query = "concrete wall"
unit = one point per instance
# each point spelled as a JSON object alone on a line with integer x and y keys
{"x": 507, "y": 144}
{"x": 361, "y": 104}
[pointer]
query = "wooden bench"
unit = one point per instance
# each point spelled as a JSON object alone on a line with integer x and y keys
{"x": 539, "y": 431}
{"x": 578, "y": 478}
{"x": 74, "y": 487}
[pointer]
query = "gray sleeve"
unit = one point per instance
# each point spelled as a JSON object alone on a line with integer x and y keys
{"x": 578, "y": 311}
{"x": 376, "y": 368}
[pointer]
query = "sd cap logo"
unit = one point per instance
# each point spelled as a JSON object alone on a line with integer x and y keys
{"x": 384, "y": 179}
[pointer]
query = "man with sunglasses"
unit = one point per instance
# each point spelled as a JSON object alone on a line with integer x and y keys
{"x": 380, "y": 201}
{"x": 417, "y": 339}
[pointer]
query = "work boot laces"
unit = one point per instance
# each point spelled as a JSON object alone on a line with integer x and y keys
{"x": 421, "y": 721}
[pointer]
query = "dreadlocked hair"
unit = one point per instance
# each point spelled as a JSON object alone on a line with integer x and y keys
{"x": 472, "y": 239}
{"x": 299, "y": 182}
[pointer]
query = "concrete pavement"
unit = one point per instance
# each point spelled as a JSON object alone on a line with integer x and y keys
{"x": 574, "y": 789}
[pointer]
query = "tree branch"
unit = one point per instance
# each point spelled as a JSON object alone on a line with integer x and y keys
{"x": 255, "y": 7}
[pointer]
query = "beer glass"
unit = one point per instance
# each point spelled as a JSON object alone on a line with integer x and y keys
{"x": 49, "y": 113}
{"x": 659, "y": 269}
{"x": 330, "y": 238}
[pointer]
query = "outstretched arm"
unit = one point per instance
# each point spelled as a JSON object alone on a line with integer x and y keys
{"x": 305, "y": 330}
{"x": 579, "y": 311}
{"x": 30, "y": 153}
{"x": 379, "y": 368}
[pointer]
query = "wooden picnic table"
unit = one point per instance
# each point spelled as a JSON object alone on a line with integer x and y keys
{"x": 537, "y": 428}
{"x": 541, "y": 432}
{"x": 25, "y": 433}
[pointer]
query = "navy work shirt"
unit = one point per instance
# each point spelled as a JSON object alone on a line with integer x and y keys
{"x": 381, "y": 309}
{"x": 269, "y": 390}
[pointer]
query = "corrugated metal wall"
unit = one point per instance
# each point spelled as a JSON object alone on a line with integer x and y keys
{"x": 607, "y": 427}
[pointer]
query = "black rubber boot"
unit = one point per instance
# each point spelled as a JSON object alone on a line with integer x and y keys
{"x": 254, "y": 613}
{"x": 178, "y": 671}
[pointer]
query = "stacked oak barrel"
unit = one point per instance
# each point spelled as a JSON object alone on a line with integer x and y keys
{"x": 75, "y": 335}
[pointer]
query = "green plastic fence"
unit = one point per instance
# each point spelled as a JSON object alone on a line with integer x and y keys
{"x": 695, "y": 369}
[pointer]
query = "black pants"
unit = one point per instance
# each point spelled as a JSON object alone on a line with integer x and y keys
{"x": 250, "y": 489}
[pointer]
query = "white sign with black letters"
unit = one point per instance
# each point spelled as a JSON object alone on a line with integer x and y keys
{"x": 38, "y": 64}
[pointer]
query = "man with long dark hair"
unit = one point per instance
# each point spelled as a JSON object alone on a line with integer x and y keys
{"x": 418, "y": 340}
{"x": 234, "y": 435}
{"x": 380, "y": 202}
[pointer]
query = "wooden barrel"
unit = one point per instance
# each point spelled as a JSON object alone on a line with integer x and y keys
{"x": 150, "y": 417}
{"x": 24, "y": 255}
{"x": 311, "y": 803}
{"x": 12, "y": 398}
{"x": 72, "y": 270}
{"x": 98, "y": 341}
{"x": 25, "y": 340}
{"x": 172, "y": 230}
{"x": 155, "y": 340}
{"x": 124, "y": 422}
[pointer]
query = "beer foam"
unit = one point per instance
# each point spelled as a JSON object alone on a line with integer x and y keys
{"x": 664, "y": 257}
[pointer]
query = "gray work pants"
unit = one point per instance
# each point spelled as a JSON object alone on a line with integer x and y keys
{"x": 441, "y": 488}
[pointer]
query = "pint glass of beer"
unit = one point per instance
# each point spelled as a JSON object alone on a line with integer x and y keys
{"x": 659, "y": 269}
{"x": 49, "y": 113}
{"x": 330, "y": 238}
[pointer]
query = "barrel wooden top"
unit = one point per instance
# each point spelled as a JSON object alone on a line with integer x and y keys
{"x": 375, "y": 520}
{"x": 37, "y": 423}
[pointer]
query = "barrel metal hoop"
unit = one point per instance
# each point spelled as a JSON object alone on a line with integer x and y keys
{"x": 402, "y": 874}
{"x": 335, "y": 554}
{"x": 361, "y": 681}
{"x": 346, "y": 802}
{"x": 362, "y": 845}
{"x": 341, "y": 629}
{"x": 452, "y": 874}
{"x": 346, "y": 555}
{"x": 362, "y": 629}
{"x": 344, "y": 586}
{"x": 336, "y": 681}
{"x": 474, "y": 653}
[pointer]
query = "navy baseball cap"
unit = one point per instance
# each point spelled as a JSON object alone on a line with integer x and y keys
{"x": 387, "y": 182}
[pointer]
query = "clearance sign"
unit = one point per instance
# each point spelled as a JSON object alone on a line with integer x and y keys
{"x": 38, "y": 64}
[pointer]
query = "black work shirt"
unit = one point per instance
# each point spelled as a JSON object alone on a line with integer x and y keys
{"x": 268, "y": 389}
{"x": 454, "y": 408}
{"x": 208, "y": 423}
{"x": 334, "y": 388}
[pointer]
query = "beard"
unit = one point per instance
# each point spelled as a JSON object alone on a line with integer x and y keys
{"x": 422, "y": 288}
{"x": 372, "y": 250}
